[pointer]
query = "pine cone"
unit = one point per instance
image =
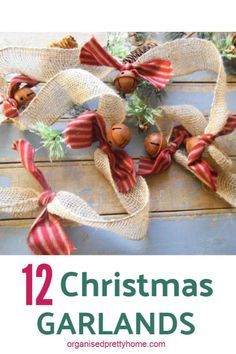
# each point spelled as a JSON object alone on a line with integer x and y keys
{"x": 136, "y": 53}
{"x": 67, "y": 42}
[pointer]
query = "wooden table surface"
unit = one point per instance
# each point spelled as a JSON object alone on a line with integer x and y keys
{"x": 185, "y": 216}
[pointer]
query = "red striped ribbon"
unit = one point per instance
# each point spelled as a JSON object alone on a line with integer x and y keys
{"x": 157, "y": 71}
{"x": 90, "y": 127}
{"x": 195, "y": 161}
{"x": 46, "y": 236}
{"x": 9, "y": 108}
{"x": 148, "y": 166}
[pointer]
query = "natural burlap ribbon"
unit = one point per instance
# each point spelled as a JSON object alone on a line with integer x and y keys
{"x": 69, "y": 206}
{"x": 42, "y": 64}
{"x": 188, "y": 56}
{"x": 76, "y": 86}
{"x": 68, "y": 88}
{"x": 46, "y": 235}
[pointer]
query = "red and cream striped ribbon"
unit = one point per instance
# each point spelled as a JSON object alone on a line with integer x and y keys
{"x": 157, "y": 71}
{"x": 199, "y": 165}
{"x": 148, "y": 166}
{"x": 89, "y": 127}
{"x": 9, "y": 107}
{"x": 46, "y": 236}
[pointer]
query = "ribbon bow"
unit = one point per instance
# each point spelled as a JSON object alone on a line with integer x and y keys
{"x": 157, "y": 71}
{"x": 10, "y": 108}
{"x": 90, "y": 127}
{"x": 195, "y": 161}
{"x": 148, "y": 166}
{"x": 46, "y": 236}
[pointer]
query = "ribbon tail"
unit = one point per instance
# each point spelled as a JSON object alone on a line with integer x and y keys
{"x": 27, "y": 154}
{"x": 205, "y": 173}
{"x": 92, "y": 53}
{"x": 9, "y": 108}
{"x": 158, "y": 72}
{"x": 47, "y": 237}
{"x": 123, "y": 170}
{"x": 84, "y": 130}
{"x": 229, "y": 126}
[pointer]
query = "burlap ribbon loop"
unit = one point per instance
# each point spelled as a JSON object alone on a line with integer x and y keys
{"x": 46, "y": 235}
{"x": 71, "y": 207}
{"x": 42, "y": 64}
{"x": 76, "y": 86}
{"x": 194, "y": 121}
{"x": 68, "y": 88}
{"x": 189, "y": 55}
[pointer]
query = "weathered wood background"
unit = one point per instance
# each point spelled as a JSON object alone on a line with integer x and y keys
{"x": 185, "y": 216}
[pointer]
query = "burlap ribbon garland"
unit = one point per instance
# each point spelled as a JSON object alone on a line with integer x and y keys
{"x": 71, "y": 207}
{"x": 194, "y": 121}
{"x": 76, "y": 86}
{"x": 67, "y": 88}
{"x": 188, "y": 56}
{"x": 42, "y": 64}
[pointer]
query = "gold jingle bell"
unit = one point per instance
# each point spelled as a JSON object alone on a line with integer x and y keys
{"x": 126, "y": 81}
{"x": 118, "y": 136}
{"x": 24, "y": 96}
{"x": 154, "y": 143}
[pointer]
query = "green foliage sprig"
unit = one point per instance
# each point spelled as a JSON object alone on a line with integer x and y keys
{"x": 139, "y": 111}
{"x": 51, "y": 140}
{"x": 118, "y": 45}
{"x": 150, "y": 95}
{"x": 225, "y": 46}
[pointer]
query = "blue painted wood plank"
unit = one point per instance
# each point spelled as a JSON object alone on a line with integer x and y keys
{"x": 180, "y": 94}
{"x": 210, "y": 234}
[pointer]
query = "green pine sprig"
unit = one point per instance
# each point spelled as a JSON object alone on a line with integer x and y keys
{"x": 225, "y": 46}
{"x": 118, "y": 45}
{"x": 138, "y": 110}
{"x": 51, "y": 140}
{"x": 150, "y": 95}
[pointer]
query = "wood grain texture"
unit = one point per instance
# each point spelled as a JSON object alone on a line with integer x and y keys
{"x": 175, "y": 189}
{"x": 185, "y": 218}
{"x": 198, "y": 95}
{"x": 208, "y": 234}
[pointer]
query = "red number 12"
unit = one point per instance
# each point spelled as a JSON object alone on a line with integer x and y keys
{"x": 40, "y": 299}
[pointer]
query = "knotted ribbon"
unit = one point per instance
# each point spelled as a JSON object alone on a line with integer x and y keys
{"x": 46, "y": 236}
{"x": 195, "y": 161}
{"x": 148, "y": 166}
{"x": 89, "y": 127}
{"x": 157, "y": 71}
{"x": 10, "y": 107}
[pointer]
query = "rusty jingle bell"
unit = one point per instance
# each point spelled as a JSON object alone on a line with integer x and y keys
{"x": 118, "y": 135}
{"x": 24, "y": 96}
{"x": 154, "y": 143}
{"x": 191, "y": 142}
{"x": 126, "y": 81}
